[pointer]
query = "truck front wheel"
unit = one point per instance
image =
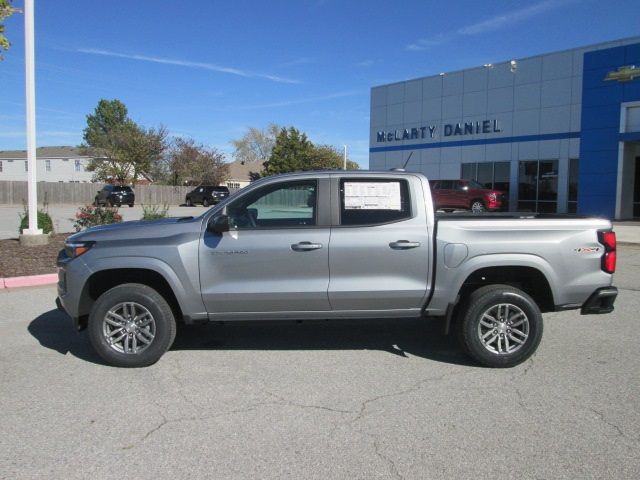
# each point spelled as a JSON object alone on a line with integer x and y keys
{"x": 500, "y": 326}
{"x": 131, "y": 325}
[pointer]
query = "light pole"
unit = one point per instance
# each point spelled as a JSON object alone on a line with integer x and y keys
{"x": 32, "y": 235}
{"x": 344, "y": 161}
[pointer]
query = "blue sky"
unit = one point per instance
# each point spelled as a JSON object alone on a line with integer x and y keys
{"x": 210, "y": 69}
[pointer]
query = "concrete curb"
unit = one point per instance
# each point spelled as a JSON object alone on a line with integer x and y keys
{"x": 30, "y": 281}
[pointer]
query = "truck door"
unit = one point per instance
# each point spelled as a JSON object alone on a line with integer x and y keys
{"x": 275, "y": 256}
{"x": 379, "y": 250}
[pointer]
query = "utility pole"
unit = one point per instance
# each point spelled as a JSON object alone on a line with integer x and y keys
{"x": 32, "y": 235}
{"x": 344, "y": 162}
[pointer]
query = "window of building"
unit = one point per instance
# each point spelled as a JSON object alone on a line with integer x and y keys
{"x": 0, "y": 166}
{"x": 493, "y": 175}
{"x": 26, "y": 165}
{"x": 78, "y": 166}
{"x": 47, "y": 165}
{"x": 538, "y": 186}
{"x": 372, "y": 201}
{"x": 572, "y": 204}
{"x": 282, "y": 205}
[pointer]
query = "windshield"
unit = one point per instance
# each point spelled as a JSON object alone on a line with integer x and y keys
{"x": 120, "y": 188}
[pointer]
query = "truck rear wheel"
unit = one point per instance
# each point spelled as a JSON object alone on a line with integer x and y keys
{"x": 131, "y": 325}
{"x": 500, "y": 326}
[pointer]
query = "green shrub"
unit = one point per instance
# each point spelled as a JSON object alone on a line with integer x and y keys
{"x": 154, "y": 212}
{"x": 44, "y": 221}
{"x": 91, "y": 215}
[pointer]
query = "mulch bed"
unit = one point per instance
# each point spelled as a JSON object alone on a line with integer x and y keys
{"x": 18, "y": 261}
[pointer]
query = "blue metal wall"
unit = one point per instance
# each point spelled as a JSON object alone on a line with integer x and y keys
{"x": 600, "y": 127}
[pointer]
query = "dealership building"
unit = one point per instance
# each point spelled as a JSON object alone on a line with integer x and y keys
{"x": 559, "y": 132}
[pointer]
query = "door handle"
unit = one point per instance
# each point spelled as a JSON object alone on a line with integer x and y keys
{"x": 404, "y": 245}
{"x": 305, "y": 246}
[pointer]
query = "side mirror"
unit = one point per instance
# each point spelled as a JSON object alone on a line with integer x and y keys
{"x": 219, "y": 224}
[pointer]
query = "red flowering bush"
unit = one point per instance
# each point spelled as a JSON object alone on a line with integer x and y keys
{"x": 90, "y": 216}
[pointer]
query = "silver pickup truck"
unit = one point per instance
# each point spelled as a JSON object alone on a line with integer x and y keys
{"x": 335, "y": 245}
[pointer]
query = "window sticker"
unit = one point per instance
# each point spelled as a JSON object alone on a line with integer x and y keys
{"x": 372, "y": 196}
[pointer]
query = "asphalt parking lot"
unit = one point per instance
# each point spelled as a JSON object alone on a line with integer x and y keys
{"x": 369, "y": 399}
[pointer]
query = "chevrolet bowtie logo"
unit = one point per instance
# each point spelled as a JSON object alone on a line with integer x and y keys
{"x": 624, "y": 74}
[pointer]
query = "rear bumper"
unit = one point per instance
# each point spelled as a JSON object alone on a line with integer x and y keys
{"x": 600, "y": 301}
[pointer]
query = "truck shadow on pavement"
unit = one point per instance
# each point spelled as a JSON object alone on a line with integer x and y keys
{"x": 400, "y": 337}
{"x": 54, "y": 330}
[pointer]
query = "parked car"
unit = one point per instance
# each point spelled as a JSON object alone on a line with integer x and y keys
{"x": 116, "y": 195}
{"x": 336, "y": 245}
{"x": 206, "y": 195}
{"x": 467, "y": 195}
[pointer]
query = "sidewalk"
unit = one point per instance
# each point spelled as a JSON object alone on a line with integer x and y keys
{"x": 627, "y": 232}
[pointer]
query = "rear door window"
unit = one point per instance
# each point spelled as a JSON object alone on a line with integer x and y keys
{"x": 373, "y": 201}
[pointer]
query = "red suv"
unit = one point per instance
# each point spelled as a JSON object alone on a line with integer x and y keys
{"x": 466, "y": 194}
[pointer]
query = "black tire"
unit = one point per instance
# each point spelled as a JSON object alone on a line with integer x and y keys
{"x": 483, "y": 338}
{"x": 205, "y": 202}
{"x": 189, "y": 202}
{"x": 477, "y": 206}
{"x": 131, "y": 205}
{"x": 161, "y": 331}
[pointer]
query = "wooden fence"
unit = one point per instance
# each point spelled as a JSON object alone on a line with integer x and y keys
{"x": 58, "y": 193}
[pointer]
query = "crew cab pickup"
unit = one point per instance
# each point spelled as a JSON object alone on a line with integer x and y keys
{"x": 335, "y": 245}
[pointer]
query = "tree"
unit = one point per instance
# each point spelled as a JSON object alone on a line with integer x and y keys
{"x": 291, "y": 152}
{"x": 194, "y": 163}
{"x": 6, "y": 10}
{"x": 122, "y": 150}
{"x": 326, "y": 157}
{"x": 256, "y": 144}
{"x": 108, "y": 120}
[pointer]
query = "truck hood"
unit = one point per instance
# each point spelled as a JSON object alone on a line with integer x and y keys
{"x": 138, "y": 229}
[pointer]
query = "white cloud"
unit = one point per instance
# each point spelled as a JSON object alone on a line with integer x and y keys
{"x": 365, "y": 63}
{"x": 297, "y": 61}
{"x": 497, "y": 22}
{"x": 187, "y": 63}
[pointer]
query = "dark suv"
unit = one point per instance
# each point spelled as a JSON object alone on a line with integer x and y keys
{"x": 206, "y": 195}
{"x": 117, "y": 195}
{"x": 468, "y": 195}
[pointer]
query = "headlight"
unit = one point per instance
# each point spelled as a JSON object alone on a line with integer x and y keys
{"x": 75, "y": 249}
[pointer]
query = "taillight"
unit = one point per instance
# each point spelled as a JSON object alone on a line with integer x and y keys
{"x": 608, "y": 239}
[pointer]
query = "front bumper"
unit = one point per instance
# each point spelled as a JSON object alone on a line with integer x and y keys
{"x": 600, "y": 301}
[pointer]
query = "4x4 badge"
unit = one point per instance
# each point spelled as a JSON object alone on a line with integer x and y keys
{"x": 587, "y": 250}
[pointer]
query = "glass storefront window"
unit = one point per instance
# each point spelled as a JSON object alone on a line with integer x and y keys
{"x": 538, "y": 186}
{"x": 501, "y": 174}
{"x": 548, "y": 180}
{"x": 485, "y": 175}
{"x": 488, "y": 174}
{"x": 468, "y": 171}
{"x": 528, "y": 181}
{"x": 572, "y": 205}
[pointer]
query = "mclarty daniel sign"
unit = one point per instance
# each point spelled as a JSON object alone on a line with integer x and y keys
{"x": 446, "y": 130}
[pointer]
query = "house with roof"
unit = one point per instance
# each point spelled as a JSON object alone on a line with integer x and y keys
{"x": 53, "y": 164}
